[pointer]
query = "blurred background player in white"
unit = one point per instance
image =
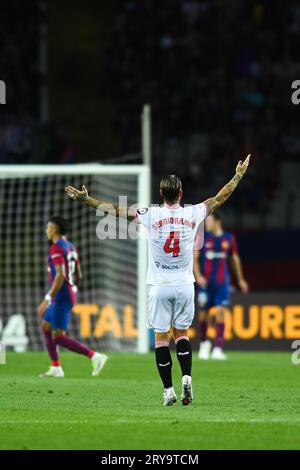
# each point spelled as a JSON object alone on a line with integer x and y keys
{"x": 212, "y": 274}
{"x": 171, "y": 233}
{"x": 56, "y": 308}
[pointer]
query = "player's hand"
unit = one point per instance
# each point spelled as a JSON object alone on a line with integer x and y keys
{"x": 76, "y": 193}
{"x": 42, "y": 308}
{"x": 241, "y": 167}
{"x": 201, "y": 281}
{"x": 243, "y": 285}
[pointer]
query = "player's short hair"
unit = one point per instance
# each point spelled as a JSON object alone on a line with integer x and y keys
{"x": 217, "y": 216}
{"x": 61, "y": 224}
{"x": 170, "y": 187}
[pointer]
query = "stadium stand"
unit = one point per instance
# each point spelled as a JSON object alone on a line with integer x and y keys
{"x": 24, "y": 137}
{"x": 215, "y": 107}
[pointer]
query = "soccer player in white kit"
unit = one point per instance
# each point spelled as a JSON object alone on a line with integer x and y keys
{"x": 171, "y": 232}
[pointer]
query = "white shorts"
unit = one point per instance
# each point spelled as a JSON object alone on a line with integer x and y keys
{"x": 170, "y": 307}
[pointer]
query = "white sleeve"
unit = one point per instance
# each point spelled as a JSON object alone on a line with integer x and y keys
{"x": 201, "y": 212}
{"x": 142, "y": 216}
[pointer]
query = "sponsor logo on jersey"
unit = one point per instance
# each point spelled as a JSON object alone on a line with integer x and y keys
{"x": 225, "y": 244}
{"x": 142, "y": 210}
{"x": 174, "y": 267}
{"x": 214, "y": 255}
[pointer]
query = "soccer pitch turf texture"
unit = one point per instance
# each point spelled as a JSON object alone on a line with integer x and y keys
{"x": 250, "y": 401}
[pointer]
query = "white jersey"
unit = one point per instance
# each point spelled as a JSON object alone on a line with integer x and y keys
{"x": 171, "y": 235}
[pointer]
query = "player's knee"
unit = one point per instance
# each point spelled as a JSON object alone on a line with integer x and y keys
{"x": 58, "y": 333}
{"x": 203, "y": 315}
{"x": 162, "y": 338}
{"x": 46, "y": 325}
{"x": 179, "y": 333}
{"x": 220, "y": 316}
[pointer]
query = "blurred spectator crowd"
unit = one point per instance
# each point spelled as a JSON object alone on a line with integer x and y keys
{"x": 218, "y": 76}
{"x": 23, "y": 137}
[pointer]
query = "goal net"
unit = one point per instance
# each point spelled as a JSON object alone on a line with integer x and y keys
{"x": 111, "y": 307}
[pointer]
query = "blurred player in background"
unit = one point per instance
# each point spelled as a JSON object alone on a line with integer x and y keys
{"x": 171, "y": 233}
{"x": 56, "y": 308}
{"x": 211, "y": 270}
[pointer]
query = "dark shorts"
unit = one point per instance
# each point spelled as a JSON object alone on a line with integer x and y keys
{"x": 58, "y": 314}
{"x": 213, "y": 296}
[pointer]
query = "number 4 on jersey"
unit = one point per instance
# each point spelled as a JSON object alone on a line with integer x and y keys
{"x": 172, "y": 244}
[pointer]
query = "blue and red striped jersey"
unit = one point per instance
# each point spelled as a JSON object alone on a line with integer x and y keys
{"x": 63, "y": 253}
{"x": 214, "y": 257}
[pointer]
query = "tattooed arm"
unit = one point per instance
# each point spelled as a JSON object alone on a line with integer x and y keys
{"x": 215, "y": 202}
{"x": 107, "y": 207}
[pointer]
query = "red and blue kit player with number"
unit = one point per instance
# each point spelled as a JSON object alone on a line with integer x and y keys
{"x": 211, "y": 270}
{"x": 56, "y": 308}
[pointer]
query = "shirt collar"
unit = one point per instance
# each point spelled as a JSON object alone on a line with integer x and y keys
{"x": 173, "y": 206}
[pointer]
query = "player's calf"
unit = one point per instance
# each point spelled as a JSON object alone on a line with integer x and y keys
{"x": 50, "y": 343}
{"x": 205, "y": 345}
{"x": 98, "y": 360}
{"x": 184, "y": 355}
{"x": 72, "y": 344}
{"x": 164, "y": 367}
{"x": 218, "y": 352}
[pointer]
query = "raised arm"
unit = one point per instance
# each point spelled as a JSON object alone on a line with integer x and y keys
{"x": 109, "y": 207}
{"x": 214, "y": 202}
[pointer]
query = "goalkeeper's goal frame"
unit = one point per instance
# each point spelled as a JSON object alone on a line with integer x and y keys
{"x": 142, "y": 172}
{"x": 143, "y": 191}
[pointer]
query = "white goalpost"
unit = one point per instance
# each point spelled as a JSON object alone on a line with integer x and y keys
{"x": 111, "y": 309}
{"x": 112, "y": 304}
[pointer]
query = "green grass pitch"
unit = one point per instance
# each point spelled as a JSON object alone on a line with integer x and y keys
{"x": 249, "y": 402}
